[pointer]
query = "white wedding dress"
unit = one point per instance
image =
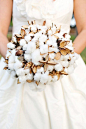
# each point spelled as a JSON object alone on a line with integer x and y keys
{"x": 61, "y": 105}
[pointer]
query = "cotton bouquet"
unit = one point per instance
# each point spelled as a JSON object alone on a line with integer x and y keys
{"x": 40, "y": 54}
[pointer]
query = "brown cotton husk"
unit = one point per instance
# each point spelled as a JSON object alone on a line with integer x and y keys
{"x": 25, "y": 26}
{"x": 29, "y": 81}
{"x": 65, "y": 51}
{"x": 19, "y": 52}
{"x": 57, "y": 56}
{"x": 6, "y": 61}
{"x": 23, "y": 33}
{"x": 51, "y": 63}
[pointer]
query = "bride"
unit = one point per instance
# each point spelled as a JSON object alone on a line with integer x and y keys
{"x": 61, "y": 105}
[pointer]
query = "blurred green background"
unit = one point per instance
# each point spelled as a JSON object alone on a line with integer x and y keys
{"x": 73, "y": 34}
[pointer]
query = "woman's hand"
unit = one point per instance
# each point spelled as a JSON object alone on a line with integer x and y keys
{"x": 80, "y": 17}
{"x": 5, "y": 17}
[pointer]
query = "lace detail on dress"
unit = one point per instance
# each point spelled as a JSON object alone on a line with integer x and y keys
{"x": 43, "y": 9}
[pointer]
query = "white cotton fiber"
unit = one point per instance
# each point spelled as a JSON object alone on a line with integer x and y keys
{"x": 65, "y": 63}
{"x": 8, "y": 54}
{"x": 22, "y": 42}
{"x": 52, "y": 55}
{"x": 51, "y": 49}
{"x": 50, "y": 32}
{"x": 43, "y": 38}
{"x": 50, "y": 68}
{"x": 58, "y": 67}
{"x": 66, "y": 57}
{"x": 53, "y": 29}
{"x": 17, "y": 65}
{"x": 22, "y": 79}
{"x": 29, "y": 76}
{"x": 36, "y": 57}
{"x": 27, "y": 38}
{"x": 20, "y": 72}
{"x": 44, "y": 78}
{"x": 10, "y": 45}
{"x": 14, "y": 39}
{"x": 40, "y": 70}
{"x": 44, "y": 49}
{"x": 11, "y": 66}
{"x": 26, "y": 71}
{"x": 55, "y": 78}
{"x": 11, "y": 59}
{"x": 31, "y": 47}
{"x": 25, "y": 47}
{"x": 27, "y": 57}
{"x": 37, "y": 76}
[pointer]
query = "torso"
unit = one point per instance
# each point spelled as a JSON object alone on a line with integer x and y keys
{"x": 57, "y": 11}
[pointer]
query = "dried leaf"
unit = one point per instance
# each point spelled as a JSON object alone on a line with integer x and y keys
{"x": 19, "y": 52}
{"x": 51, "y": 62}
{"x": 57, "y": 56}
{"x": 29, "y": 81}
{"x": 65, "y": 51}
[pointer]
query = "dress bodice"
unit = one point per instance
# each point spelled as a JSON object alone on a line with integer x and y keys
{"x": 58, "y": 12}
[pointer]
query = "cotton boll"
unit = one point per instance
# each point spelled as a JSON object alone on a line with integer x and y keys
{"x": 72, "y": 61}
{"x": 51, "y": 49}
{"x": 44, "y": 49}
{"x": 59, "y": 35}
{"x": 27, "y": 38}
{"x": 10, "y": 45}
{"x": 50, "y": 79}
{"x": 11, "y": 66}
{"x": 14, "y": 39}
{"x": 11, "y": 59}
{"x": 44, "y": 78}
{"x": 13, "y": 52}
{"x": 52, "y": 55}
{"x": 31, "y": 47}
{"x": 29, "y": 76}
{"x": 40, "y": 70}
{"x": 69, "y": 46}
{"x": 54, "y": 45}
{"x": 22, "y": 42}
{"x": 26, "y": 71}
{"x": 27, "y": 57}
{"x": 49, "y": 42}
{"x": 22, "y": 79}
{"x": 55, "y": 78}
{"x": 65, "y": 63}
{"x": 43, "y": 38}
{"x": 53, "y": 29}
{"x": 33, "y": 28}
{"x": 37, "y": 76}
{"x": 67, "y": 36}
{"x": 50, "y": 68}
{"x": 58, "y": 67}
{"x": 17, "y": 65}
{"x": 20, "y": 72}
{"x": 36, "y": 57}
{"x": 66, "y": 57}
{"x": 62, "y": 58}
{"x": 25, "y": 47}
{"x": 8, "y": 54}
{"x": 50, "y": 32}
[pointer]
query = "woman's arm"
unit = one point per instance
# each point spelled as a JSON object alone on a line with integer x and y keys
{"x": 5, "y": 17}
{"x": 80, "y": 17}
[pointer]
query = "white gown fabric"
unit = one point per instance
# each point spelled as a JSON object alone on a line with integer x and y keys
{"x": 61, "y": 105}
